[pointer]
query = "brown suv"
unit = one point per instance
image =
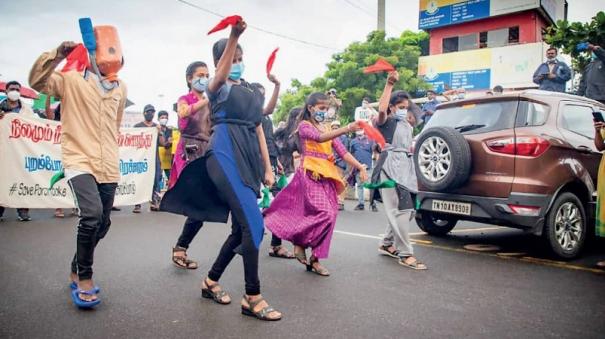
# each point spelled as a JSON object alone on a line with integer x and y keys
{"x": 525, "y": 160}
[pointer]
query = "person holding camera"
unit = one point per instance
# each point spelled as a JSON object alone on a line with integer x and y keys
{"x": 334, "y": 105}
{"x": 553, "y": 74}
{"x": 592, "y": 84}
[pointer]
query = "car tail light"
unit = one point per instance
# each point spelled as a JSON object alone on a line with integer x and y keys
{"x": 527, "y": 211}
{"x": 524, "y": 146}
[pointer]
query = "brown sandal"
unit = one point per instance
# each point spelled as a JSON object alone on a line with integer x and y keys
{"x": 182, "y": 261}
{"x": 415, "y": 264}
{"x": 280, "y": 252}
{"x": 263, "y": 314}
{"x": 319, "y": 271}
{"x": 217, "y": 296}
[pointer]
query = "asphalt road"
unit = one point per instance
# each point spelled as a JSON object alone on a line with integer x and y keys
{"x": 463, "y": 294}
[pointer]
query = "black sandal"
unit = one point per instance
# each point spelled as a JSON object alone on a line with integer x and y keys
{"x": 182, "y": 261}
{"x": 384, "y": 250}
{"x": 217, "y": 296}
{"x": 263, "y": 314}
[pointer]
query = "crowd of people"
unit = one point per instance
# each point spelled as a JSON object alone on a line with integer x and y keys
{"x": 228, "y": 151}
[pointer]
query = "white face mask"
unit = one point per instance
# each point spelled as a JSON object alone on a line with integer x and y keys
{"x": 163, "y": 121}
{"x": 13, "y": 95}
{"x": 400, "y": 114}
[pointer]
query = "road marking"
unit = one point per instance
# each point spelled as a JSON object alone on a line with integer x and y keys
{"x": 360, "y": 235}
{"x": 532, "y": 260}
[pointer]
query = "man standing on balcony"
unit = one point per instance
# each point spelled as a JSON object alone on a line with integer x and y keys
{"x": 553, "y": 74}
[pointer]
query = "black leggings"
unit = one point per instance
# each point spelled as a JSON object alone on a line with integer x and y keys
{"x": 94, "y": 202}
{"x": 240, "y": 239}
{"x": 190, "y": 229}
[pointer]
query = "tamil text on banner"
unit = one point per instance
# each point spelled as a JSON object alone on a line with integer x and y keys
{"x": 31, "y": 155}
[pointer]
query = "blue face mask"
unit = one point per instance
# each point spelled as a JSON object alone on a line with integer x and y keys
{"x": 400, "y": 114}
{"x": 319, "y": 116}
{"x": 236, "y": 71}
{"x": 199, "y": 84}
{"x": 593, "y": 56}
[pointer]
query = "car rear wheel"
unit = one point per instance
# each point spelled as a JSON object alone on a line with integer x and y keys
{"x": 566, "y": 226}
{"x": 434, "y": 224}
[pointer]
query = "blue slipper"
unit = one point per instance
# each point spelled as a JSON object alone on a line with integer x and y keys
{"x": 74, "y": 286}
{"x": 75, "y": 297}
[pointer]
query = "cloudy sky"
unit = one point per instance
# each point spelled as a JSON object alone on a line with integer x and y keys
{"x": 161, "y": 37}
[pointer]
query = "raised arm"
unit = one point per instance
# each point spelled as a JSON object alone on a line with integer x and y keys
{"x": 273, "y": 101}
{"x": 383, "y": 104}
{"x": 43, "y": 77}
{"x": 224, "y": 65}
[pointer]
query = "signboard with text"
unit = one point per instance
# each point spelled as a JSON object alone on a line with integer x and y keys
{"x": 439, "y": 13}
{"x": 31, "y": 155}
{"x": 510, "y": 66}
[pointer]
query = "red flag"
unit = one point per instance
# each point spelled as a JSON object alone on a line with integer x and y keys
{"x": 271, "y": 61}
{"x": 230, "y": 20}
{"x": 77, "y": 60}
{"x": 372, "y": 133}
{"x": 381, "y": 65}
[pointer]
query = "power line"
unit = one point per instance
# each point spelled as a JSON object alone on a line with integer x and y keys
{"x": 358, "y": 7}
{"x": 260, "y": 29}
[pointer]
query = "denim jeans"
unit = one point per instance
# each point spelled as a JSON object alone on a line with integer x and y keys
{"x": 360, "y": 195}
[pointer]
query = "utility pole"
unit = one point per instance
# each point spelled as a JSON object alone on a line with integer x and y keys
{"x": 381, "y": 19}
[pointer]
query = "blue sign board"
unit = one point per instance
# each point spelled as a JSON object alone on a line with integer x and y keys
{"x": 455, "y": 13}
{"x": 473, "y": 80}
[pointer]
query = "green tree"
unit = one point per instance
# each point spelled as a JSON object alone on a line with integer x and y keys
{"x": 345, "y": 73}
{"x": 567, "y": 35}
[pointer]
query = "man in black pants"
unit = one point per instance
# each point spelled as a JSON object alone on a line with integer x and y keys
{"x": 92, "y": 109}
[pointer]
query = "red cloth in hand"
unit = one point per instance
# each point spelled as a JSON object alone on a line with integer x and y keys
{"x": 228, "y": 21}
{"x": 77, "y": 60}
{"x": 380, "y": 65}
{"x": 271, "y": 60}
{"x": 372, "y": 133}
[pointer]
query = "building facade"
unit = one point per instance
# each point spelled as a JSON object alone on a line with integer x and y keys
{"x": 478, "y": 44}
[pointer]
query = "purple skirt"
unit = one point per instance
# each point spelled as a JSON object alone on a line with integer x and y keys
{"x": 304, "y": 213}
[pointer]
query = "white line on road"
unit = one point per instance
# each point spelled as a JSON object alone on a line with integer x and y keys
{"x": 358, "y": 235}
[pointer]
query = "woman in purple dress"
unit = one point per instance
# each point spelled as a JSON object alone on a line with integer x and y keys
{"x": 194, "y": 125}
{"x": 311, "y": 199}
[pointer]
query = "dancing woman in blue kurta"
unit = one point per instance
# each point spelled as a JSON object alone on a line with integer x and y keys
{"x": 227, "y": 179}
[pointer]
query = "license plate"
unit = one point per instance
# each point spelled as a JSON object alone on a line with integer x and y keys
{"x": 452, "y": 207}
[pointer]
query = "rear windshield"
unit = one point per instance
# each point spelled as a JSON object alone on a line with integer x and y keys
{"x": 476, "y": 117}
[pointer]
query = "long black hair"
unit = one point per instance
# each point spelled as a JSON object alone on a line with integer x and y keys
{"x": 219, "y": 48}
{"x": 282, "y": 134}
{"x": 311, "y": 100}
{"x": 191, "y": 70}
{"x": 396, "y": 98}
